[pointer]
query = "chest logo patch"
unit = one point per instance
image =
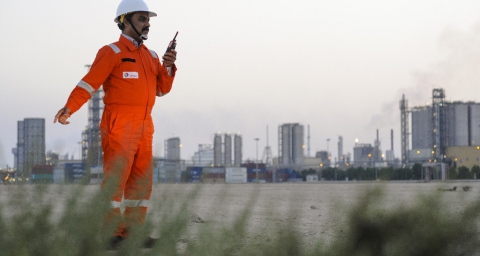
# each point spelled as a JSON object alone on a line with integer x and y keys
{"x": 130, "y": 75}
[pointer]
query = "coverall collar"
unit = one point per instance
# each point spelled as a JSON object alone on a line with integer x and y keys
{"x": 131, "y": 44}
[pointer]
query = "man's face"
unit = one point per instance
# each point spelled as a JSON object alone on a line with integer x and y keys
{"x": 141, "y": 21}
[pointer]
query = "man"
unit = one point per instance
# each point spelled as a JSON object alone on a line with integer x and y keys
{"x": 131, "y": 76}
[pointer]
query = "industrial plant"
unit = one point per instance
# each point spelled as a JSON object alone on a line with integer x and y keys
{"x": 442, "y": 134}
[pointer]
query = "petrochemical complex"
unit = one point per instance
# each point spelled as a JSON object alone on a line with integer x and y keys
{"x": 442, "y": 134}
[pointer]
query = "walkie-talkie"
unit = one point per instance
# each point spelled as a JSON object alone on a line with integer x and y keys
{"x": 172, "y": 43}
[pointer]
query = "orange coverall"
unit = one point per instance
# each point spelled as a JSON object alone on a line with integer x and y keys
{"x": 131, "y": 78}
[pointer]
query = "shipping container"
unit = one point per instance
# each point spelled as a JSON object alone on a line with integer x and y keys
{"x": 260, "y": 175}
{"x": 155, "y": 175}
{"x": 213, "y": 175}
{"x": 288, "y": 171}
{"x": 58, "y": 176}
{"x": 282, "y": 177}
{"x": 254, "y": 170}
{"x": 42, "y": 169}
{"x": 236, "y": 178}
{"x": 195, "y": 177}
{"x": 194, "y": 170}
{"x": 254, "y": 165}
{"x": 96, "y": 175}
{"x": 235, "y": 170}
{"x": 295, "y": 175}
{"x": 195, "y": 180}
{"x": 257, "y": 180}
{"x": 74, "y": 172}
{"x": 295, "y": 180}
{"x": 41, "y": 178}
{"x": 213, "y": 170}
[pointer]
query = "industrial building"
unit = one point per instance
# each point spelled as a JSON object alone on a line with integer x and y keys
{"x": 290, "y": 144}
{"x": 30, "y": 150}
{"x": 168, "y": 171}
{"x": 204, "y": 155}
{"x": 324, "y": 158}
{"x": 222, "y": 152}
{"x": 363, "y": 155}
{"x": 92, "y": 154}
{"x": 341, "y": 157}
{"x": 172, "y": 149}
{"x": 440, "y": 128}
{"x": 464, "y": 156}
{"x": 366, "y": 155}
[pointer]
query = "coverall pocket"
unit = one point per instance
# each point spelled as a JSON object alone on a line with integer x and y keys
{"x": 108, "y": 121}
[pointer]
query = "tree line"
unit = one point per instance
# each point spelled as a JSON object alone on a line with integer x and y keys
{"x": 388, "y": 173}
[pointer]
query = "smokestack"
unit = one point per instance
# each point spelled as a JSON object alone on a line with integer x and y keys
{"x": 308, "y": 141}
{"x": 391, "y": 139}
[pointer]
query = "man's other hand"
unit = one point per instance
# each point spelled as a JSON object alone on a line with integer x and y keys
{"x": 62, "y": 116}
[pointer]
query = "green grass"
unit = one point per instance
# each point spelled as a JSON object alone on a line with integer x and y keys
{"x": 32, "y": 223}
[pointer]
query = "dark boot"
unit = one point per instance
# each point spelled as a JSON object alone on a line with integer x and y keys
{"x": 115, "y": 242}
{"x": 149, "y": 242}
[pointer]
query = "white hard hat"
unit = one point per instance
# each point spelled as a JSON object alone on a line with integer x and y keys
{"x": 127, "y": 6}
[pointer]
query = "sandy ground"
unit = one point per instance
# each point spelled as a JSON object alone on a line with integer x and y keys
{"x": 310, "y": 207}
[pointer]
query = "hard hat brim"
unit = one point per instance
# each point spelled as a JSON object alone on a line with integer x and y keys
{"x": 150, "y": 14}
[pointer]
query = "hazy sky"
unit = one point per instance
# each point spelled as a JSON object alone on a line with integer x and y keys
{"x": 338, "y": 66}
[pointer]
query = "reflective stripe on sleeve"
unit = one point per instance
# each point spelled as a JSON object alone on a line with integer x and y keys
{"x": 114, "y": 48}
{"x": 115, "y": 204}
{"x": 136, "y": 203}
{"x": 154, "y": 55}
{"x": 87, "y": 87}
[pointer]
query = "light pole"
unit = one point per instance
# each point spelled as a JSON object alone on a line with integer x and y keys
{"x": 256, "y": 160}
{"x": 328, "y": 141}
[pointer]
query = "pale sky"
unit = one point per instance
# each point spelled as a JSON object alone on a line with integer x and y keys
{"x": 338, "y": 66}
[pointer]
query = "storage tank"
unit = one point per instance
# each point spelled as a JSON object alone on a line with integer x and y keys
{"x": 457, "y": 124}
{"x": 422, "y": 127}
{"x": 298, "y": 144}
{"x": 172, "y": 149}
{"x": 217, "y": 150}
{"x": 475, "y": 124}
{"x": 291, "y": 144}
{"x": 237, "y": 152}
{"x": 228, "y": 150}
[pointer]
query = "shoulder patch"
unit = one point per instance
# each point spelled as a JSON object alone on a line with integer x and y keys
{"x": 114, "y": 48}
{"x": 154, "y": 55}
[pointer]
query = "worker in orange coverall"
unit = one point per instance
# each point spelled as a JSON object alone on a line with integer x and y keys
{"x": 132, "y": 76}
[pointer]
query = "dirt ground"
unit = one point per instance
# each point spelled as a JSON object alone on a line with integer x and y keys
{"x": 312, "y": 208}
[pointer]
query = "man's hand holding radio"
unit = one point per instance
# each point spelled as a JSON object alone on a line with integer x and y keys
{"x": 169, "y": 58}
